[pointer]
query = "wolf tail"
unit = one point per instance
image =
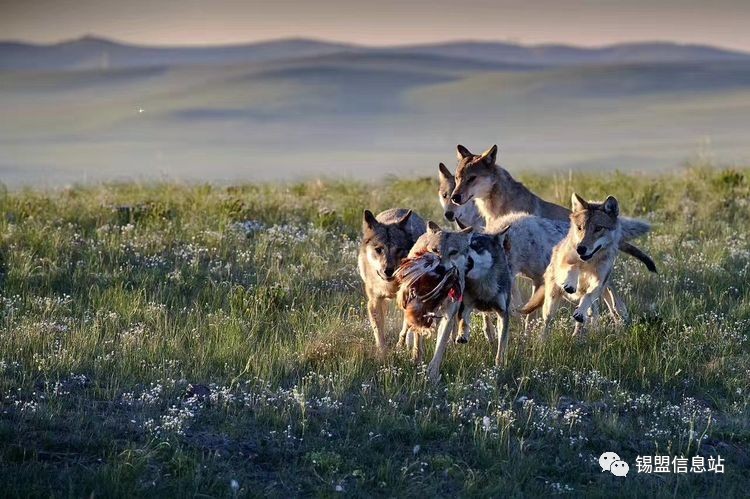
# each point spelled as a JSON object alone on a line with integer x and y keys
{"x": 632, "y": 228}
{"x": 638, "y": 253}
{"x": 536, "y": 301}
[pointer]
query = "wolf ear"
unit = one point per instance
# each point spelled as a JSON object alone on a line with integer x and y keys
{"x": 462, "y": 152}
{"x": 369, "y": 220}
{"x": 611, "y": 206}
{"x": 402, "y": 222}
{"x": 490, "y": 155}
{"x": 433, "y": 227}
{"x": 444, "y": 171}
{"x": 578, "y": 203}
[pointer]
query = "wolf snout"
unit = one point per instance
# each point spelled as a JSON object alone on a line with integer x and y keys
{"x": 389, "y": 272}
{"x": 449, "y": 216}
{"x": 581, "y": 249}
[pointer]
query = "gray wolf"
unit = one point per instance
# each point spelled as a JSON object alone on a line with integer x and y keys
{"x": 528, "y": 243}
{"x": 582, "y": 262}
{"x": 386, "y": 241}
{"x": 463, "y": 215}
{"x": 497, "y": 193}
{"x": 485, "y": 278}
{"x": 488, "y": 285}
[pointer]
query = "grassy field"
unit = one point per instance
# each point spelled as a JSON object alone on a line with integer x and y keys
{"x": 168, "y": 340}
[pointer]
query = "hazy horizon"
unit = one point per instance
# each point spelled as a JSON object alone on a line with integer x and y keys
{"x": 441, "y": 41}
{"x": 221, "y": 22}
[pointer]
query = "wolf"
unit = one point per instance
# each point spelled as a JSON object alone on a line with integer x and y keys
{"x": 485, "y": 280}
{"x": 386, "y": 241}
{"x": 464, "y": 215}
{"x": 582, "y": 262}
{"x": 496, "y": 193}
{"x": 528, "y": 244}
{"x": 488, "y": 285}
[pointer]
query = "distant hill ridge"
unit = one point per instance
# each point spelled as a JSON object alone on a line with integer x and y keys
{"x": 92, "y": 52}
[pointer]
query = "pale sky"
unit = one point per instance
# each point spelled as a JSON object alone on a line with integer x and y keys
{"x": 724, "y": 23}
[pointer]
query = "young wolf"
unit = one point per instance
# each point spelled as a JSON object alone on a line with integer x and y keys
{"x": 386, "y": 240}
{"x": 486, "y": 279}
{"x": 497, "y": 193}
{"x": 582, "y": 262}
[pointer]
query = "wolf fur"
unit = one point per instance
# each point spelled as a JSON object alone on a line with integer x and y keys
{"x": 528, "y": 243}
{"x": 453, "y": 250}
{"x": 486, "y": 281}
{"x": 496, "y": 193}
{"x": 386, "y": 241}
{"x": 464, "y": 215}
{"x": 582, "y": 262}
{"x": 488, "y": 285}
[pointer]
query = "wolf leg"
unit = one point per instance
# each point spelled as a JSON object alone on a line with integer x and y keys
{"x": 488, "y": 328}
{"x": 376, "y": 308}
{"x": 444, "y": 329}
{"x": 464, "y": 324}
{"x": 551, "y": 303}
{"x": 527, "y": 320}
{"x": 580, "y": 314}
{"x": 569, "y": 282}
{"x": 417, "y": 347}
{"x": 616, "y": 306}
{"x": 503, "y": 325}
{"x": 402, "y": 335}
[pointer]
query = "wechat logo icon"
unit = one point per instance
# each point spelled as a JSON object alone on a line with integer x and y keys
{"x": 610, "y": 461}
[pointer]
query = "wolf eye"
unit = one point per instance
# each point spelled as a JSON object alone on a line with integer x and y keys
{"x": 580, "y": 227}
{"x": 471, "y": 179}
{"x": 379, "y": 251}
{"x": 453, "y": 253}
{"x": 445, "y": 195}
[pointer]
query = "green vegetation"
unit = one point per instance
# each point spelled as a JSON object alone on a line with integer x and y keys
{"x": 168, "y": 340}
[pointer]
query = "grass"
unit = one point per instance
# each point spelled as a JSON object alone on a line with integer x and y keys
{"x": 171, "y": 340}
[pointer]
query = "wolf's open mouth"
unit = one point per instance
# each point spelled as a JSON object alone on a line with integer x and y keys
{"x": 588, "y": 257}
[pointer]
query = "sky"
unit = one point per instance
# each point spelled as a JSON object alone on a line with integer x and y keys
{"x": 380, "y": 22}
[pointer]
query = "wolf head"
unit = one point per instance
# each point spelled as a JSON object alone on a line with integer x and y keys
{"x": 451, "y": 211}
{"x": 486, "y": 251}
{"x": 385, "y": 244}
{"x": 451, "y": 247}
{"x": 593, "y": 226}
{"x": 473, "y": 175}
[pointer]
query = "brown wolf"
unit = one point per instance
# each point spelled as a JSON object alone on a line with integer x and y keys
{"x": 581, "y": 263}
{"x": 497, "y": 193}
{"x": 386, "y": 241}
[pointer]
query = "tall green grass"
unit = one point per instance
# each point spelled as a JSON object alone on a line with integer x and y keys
{"x": 164, "y": 340}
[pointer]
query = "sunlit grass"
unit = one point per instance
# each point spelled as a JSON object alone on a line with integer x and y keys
{"x": 165, "y": 340}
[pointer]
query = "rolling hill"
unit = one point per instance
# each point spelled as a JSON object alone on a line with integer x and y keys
{"x": 93, "y": 52}
{"x": 279, "y": 111}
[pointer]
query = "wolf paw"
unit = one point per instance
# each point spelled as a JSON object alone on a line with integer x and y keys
{"x": 578, "y": 316}
{"x": 570, "y": 289}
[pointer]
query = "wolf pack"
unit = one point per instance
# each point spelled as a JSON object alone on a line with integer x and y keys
{"x": 503, "y": 231}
